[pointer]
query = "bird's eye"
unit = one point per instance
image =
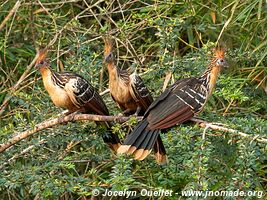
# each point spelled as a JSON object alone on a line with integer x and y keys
{"x": 220, "y": 61}
{"x": 41, "y": 62}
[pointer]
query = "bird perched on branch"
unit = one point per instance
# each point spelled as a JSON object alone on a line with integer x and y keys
{"x": 71, "y": 91}
{"x": 177, "y": 104}
{"x": 130, "y": 93}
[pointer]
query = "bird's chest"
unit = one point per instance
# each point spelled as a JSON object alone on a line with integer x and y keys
{"x": 58, "y": 95}
{"x": 120, "y": 92}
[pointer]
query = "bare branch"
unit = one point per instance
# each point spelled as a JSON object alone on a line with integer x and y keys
{"x": 81, "y": 117}
{"x": 59, "y": 120}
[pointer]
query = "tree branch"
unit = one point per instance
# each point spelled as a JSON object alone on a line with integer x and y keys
{"x": 205, "y": 124}
{"x": 59, "y": 120}
{"x": 81, "y": 117}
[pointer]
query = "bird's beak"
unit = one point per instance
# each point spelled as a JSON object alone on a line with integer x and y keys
{"x": 226, "y": 64}
{"x": 109, "y": 57}
{"x": 37, "y": 65}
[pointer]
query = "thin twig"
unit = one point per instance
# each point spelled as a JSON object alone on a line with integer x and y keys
{"x": 213, "y": 126}
{"x": 228, "y": 21}
{"x": 166, "y": 81}
{"x": 11, "y": 12}
{"x": 16, "y": 86}
{"x": 23, "y": 152}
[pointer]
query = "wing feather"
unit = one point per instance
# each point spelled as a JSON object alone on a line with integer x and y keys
{"x": 139, "y": 91}
{"x": 176, "y": 105}
{"x": 82, "y": 93}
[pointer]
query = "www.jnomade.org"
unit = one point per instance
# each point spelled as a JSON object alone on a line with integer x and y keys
{"x": 163, "y": 192}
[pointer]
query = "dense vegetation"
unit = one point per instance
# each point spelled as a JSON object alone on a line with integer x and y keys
{"x": 155, "y": 38}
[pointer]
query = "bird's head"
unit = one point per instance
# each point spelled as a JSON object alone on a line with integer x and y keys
{"x": 108, "y": 55}
{"x": 219, "y": 58}
{"x": 41, "y": 61}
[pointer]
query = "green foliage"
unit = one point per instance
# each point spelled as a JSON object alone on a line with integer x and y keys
{"x": 154, "y": 37}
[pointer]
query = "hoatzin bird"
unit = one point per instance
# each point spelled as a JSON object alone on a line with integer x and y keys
{"x": 71, "y": 91}
{"x": 130, "y": 93}
{"x": 177, "y": 104}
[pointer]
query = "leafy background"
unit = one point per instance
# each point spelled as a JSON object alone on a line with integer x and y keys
{"x": 155, "y": 38}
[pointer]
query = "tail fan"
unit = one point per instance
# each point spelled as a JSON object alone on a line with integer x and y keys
{"x": 140, "y": 142}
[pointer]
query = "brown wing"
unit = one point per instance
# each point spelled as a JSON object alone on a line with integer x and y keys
{"x": 177, "y": 104}
{"x": 139, "y": 92}
{"x": 82, "y": 93}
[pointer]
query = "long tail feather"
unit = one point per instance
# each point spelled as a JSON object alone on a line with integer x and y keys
{"x": 160, "y": 152}
{"x": 141, "y": 141}
{"x": 149, "y": 145}
{"x": 143, "y": 148}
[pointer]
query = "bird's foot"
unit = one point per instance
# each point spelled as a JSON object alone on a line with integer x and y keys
{"x": 137, "y": 111}
{"x": 64, "y": 113}
{"x": 67, "y": 113}
{"x": 127, "y": 112}
{"x": 121, "y": 115}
